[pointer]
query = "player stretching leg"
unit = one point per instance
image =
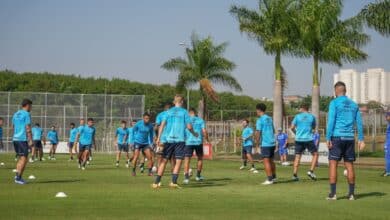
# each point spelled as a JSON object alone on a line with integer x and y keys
{"x": 22, "y": 137}
{"x": 282, "y": 139}
{"x": 387, "y": 146}
{"x": 340, "y": 136}
{"x": 176, "y": 121}
{"x": 143, "y": 140}
{"x": 265, "y": 131}
{"x": 121, "y": 135}
{"x": 247, "y": 145}
{"x": 52, "y": 136}
{"x": 86, "y": 139}
{"x": 72, "y": 139}
{"x": 194, "y": 144}
{"x": 303, "y": 125}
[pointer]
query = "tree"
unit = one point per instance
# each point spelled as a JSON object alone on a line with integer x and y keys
{"x": 204, "y": 65}
{"x": 328, "y": 39}
{"x": 274, "y": 27}
{"x": 377, "y": 16}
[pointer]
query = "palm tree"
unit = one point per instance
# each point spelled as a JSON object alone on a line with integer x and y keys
{"x": 273, "y": 26}
{"x": 377, "y": 16}
{"x": 204, "y": 66}
{"x": 328, "y": 39}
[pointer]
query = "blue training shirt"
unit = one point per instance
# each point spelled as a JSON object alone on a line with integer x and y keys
{"x": 20, "y": 120}
{"x": 198, "y": 125}
{"x": 247, "y": 135}
{"x": 343, "y": 115}
{"x": 87, "y": 135}
{"x": 52, "y": 136}
{"x": 121, "y": 134}
{"x": 265, "y": 125}
{"x": 282, "y": 139}
{"x": 72, "y": 135}
{"x": 143, "y": 133}
{"x": 1, "y": 133}
{"x": 304, "y": 123}
{"x": 159, "y": 120}
{"x": 37, "y": 133}
{"x": 176, "y": 120}
{"x": 130, "y": 137}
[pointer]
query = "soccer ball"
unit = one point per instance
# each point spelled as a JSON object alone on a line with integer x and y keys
{"x": 345, "y": 172}
{"x": 154, "y": 169}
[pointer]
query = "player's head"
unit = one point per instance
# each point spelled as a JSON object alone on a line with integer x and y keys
{"x": 53, "y": 127}
{"x": 245, "y": 123}
{"x": 26, "y": 104}
{"x": 37, "y": 125}
{"x": 123, "y": 123}
{"x": 1, "y": 121}
{"x": 133, "y": 122}
{"x": 303, "y": 107}
{"x": 280, "y": 130}
{"x": 82, "y": 121}
{"x": 388, "y": 116}
{"x": 146, "y": 117}
{"x": 192, "y": 112}
{"x": 260, "y": 109}
{"x": 340, "y": 89}
{"x": 90, "y": 122}
{"x": 178, "y": 100}
{"x": 167, "y": 106}
{"x": 72, "y": 125}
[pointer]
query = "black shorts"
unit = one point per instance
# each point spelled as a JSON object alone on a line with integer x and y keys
{"x": 85, "y": 147}
{"x": 342, "y": 149}
{"x": 38, "y": 144}
{"x": 268, "y": 152}
{"x": 70, "y": 145}
{"x": 21, "y": 148}
{"x": 175, "y": 150}
{"x": 301, "y": 146}
{"x": 189, "y": 150}
{"x": 142, "y": 147}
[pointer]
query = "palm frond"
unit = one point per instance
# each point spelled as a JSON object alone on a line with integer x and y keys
{"x": 377, "y": 16}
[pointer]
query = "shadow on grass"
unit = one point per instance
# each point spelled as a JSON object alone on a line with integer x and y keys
{"x": 301, "y": 180}
{"x": 59, "y": 181}
{"x": 210, "y": 183}
{"x": 364, "y": 195}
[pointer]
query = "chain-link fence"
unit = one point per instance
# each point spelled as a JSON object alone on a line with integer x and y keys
{"x": 60, "y": 109}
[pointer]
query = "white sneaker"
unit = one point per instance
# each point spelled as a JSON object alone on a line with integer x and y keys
{"x": 199, "y": 178}
{"x": 90, "y": 158}
{"x": 267, "y": 182}
{"x": 330, "y": 197}
{"x": 43, "y": 159}
{"x": 117, "y": 164}
{"x": 53, "y": 158}
{"x": 255, "y": 171}
{"x": 82, "y": 168}
{"x": 242, "y": 167}
{"x": 31, "y": 160}
{"x": 87, "y": 162}
{"x": 252, "y": 169}
{"x": 127, "y": 165}
{"x": 311, "y": 175}
{"x": 186, "y": 181}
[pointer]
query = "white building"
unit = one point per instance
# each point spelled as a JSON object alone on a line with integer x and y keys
{"x": 373, "y": 85}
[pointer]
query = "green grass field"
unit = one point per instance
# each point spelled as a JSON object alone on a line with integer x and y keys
{"x": 105, "y": 192}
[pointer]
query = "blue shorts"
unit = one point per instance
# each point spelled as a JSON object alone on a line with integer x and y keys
{"x": 175, "y": 150}
{"x": 70, "y": 144}
{"x": 268, "y": 152}
{"x": 283, "y": 151}
{"x": 123, "y": 147}
{"x": 53, "y": 143}
{"x": 142, "y": 147}
{"x": 301, "y": 146}
{"x": 83, "y": 147}
{"x": 189, "y": 150}
{"x": 247, "y": 150}
{"x": 38, "y": 144}
{"x": 342, "y": 149}
{"x": 21, "y": 148}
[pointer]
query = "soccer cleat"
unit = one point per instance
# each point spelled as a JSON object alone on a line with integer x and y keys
{"x": 127, "y": 165}
{"x": 53, "y": 158}
{"x": 117, "y": 164}
{"x": 156, "y": 186}
{"x": 83, "y": 168}
{"x": 79, "y": 166}
{"x": 275, "y": 180}
{"x": 186, "y": 181}
{"x": 252, "y": 169}
{"x": 267, "y": 182}
{"x": 242, "y": 167}
{"x": 351, "y": 197}
{"x": 331, "y": 197}
{"x": 199, "y": 178}
{"x": 386, "y": 174}
{"x": 174, "y": 186}
{"x": 311, "y": 175}
{"x": 20, "y": 181}
{"x": 31, "y": 160}
{"x": 90, "y": 158}
{"x": 255, "y": 171}
{"x": 295, "y": 178}
{"x": 87, "y": 162}
{"x": 43, "y": 159}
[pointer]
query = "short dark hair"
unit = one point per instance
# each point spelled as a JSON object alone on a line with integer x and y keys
{"x": 168, "y": 104}
{"x": 339, "y": 83}
{"x": 146, "y": 114}
{"x": 193, "y": 110}
{"x": 72, "y": 124}
{"x": 246, "y": 120}
{"x": 134, "y": 120}
{"x": 37, "y": 124}
{"x": 304, "y": 106}
{"x": 90, "y": 119}
{"x": 261, "y": 106}
{"x": 1, "y": 118}
{"x": 123, "y": 122}
{"x": 26, "y": 102}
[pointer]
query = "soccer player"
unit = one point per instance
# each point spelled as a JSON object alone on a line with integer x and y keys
{"x": 387, "y": 146}
{"x": 22, "y": 137}
{"x": 265, "y": 132}
{"x": 282, "y": 139}
{"x": 72, "y": 139}
{"x": 316, "y": 141}
{"x": 303, "y": 125}
{"x": 176, "y": 121}
{"x": 343, "y": 115}
{"x": 86, "y": 139}
{"x": 121, "y": 135}
{"x": 194, "y": 144}
{"x": 130, "y": 137}
{"x": 160, "y": 146}
{"x": 37, "y": 135}
{"x": 143, "y": 140}
{"x": 52, "y": 136}
{"x": 247, "y": 145}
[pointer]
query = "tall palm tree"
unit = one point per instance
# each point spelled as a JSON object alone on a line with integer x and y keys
{"x": 204, "y": 65}
{"x": 328, "y": 39}
{"x": 274, "y": 27}
{"x": 377, "y": 16}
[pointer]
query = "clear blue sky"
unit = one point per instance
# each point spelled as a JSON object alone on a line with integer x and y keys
{"x": 131, "y": 39}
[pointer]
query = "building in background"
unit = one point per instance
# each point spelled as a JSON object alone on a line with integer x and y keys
{"x": 292, "y": 98}
{"x": 372, "y": 85}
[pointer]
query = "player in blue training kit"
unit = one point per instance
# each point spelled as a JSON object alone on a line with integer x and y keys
{"x": 343, "y": 115}
{"x": 265, "y": 133}
{"x": 37, "y": 149}
{"x": 72, "y": 138}
{"x": 86, "y": 139}
{"x": 303, "y": 125}
{"x": 143, "y": 140}
{"x": 282, "y": 139}
{"x": 176, "y": 121}
{"x": 195, "y": 144}
{"x": 160, "y": 146}
{"x": 316, "y": 142}
{"x": 387, "y": 146}
{"x": 52, "y": 137}
{"x": 247, "y": 146}
{"x": 22, "y": 137}
{"x": 121, "y": 137}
